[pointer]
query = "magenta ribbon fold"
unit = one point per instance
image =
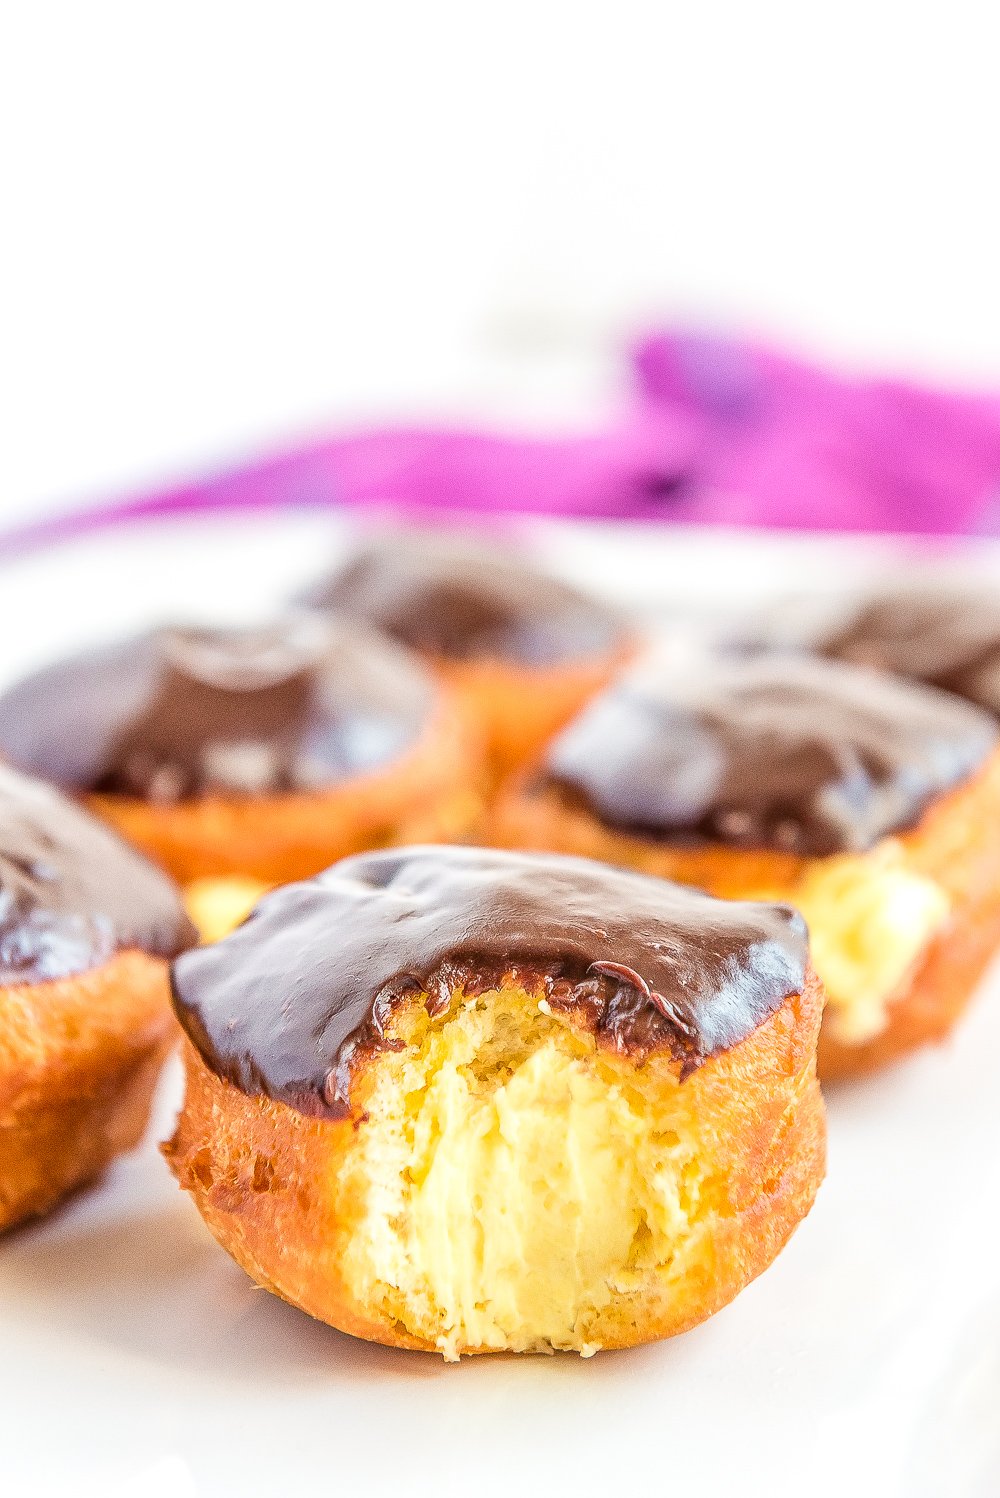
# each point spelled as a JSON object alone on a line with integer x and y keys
{"x": 717, "y": 431}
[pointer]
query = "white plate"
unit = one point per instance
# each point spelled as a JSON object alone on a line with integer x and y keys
{"x": 136, "y": 1359}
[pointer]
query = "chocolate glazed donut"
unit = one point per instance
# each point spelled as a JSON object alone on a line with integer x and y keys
{"x": 864, "y": 800}
{"x": 470, "y": 1100}
{"x": 947, "y": 636}
{"x": 786, "y": 755}
{"x": 86, "y": 926}
{"x": 263, "y": 753}
{"x": 525, "y": 650}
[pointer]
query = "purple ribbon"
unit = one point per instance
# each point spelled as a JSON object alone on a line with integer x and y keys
{"x": 719, "y": 431}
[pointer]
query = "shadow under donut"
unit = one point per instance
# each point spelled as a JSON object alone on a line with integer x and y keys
{"x": 156, "y": 1286}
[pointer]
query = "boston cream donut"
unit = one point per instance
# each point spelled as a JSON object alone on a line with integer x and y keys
{"x": 259, "y": 753}
{"x": 867, "y": 802}
{"x": 467, "y": 1100}
{"x": 85, "y": 927}
{"x": 945, "y": 634}
{"x": 526, "y": 650}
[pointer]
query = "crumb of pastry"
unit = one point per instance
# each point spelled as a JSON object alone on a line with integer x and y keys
{"x": 218, "y": 906}
{"x": 513, "y": 1181}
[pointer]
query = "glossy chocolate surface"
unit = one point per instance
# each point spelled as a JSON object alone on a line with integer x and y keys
{"x": 71, "y": 893}
{"x": 281, "y": 1005}
{"x": 948, "y": 636}
{"x": 460, "y": 599}
{"x": 180, "y": 713}
{"x": 776, "y": 752}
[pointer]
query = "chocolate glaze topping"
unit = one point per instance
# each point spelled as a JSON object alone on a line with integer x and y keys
{"x": 178, "y": 713}
{"x": 450, "y": 596}
{"x": 282, "y": 1005}
{"x": 778, "y": 752}
{"x": 948, "y": 636}
{"x": 71, "y": 893}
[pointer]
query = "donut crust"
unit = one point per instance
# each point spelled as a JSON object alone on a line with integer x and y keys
{"x": 954, "y": 845}
{"x": 286, "y": 1196}
{"x": 430, "y": 794}
{"x": 520, "y": 707}
{"x": 79, "y": 1060}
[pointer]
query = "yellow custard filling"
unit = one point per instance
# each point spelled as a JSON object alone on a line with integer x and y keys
{"x": 870, "y": 919}
{"x": 510, "y": 1180}
{"x": 217, "y": 906}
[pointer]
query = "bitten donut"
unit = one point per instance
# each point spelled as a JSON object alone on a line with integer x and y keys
{"x": 868, "y": 802}
{"x": 86, "y": 926}
{"x": 525, "y": 650}
{"x": 262, "y": 754}
{"x": 463, "y": 1100}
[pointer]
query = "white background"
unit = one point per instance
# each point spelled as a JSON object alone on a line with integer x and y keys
{"x": 224, "y": 223}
